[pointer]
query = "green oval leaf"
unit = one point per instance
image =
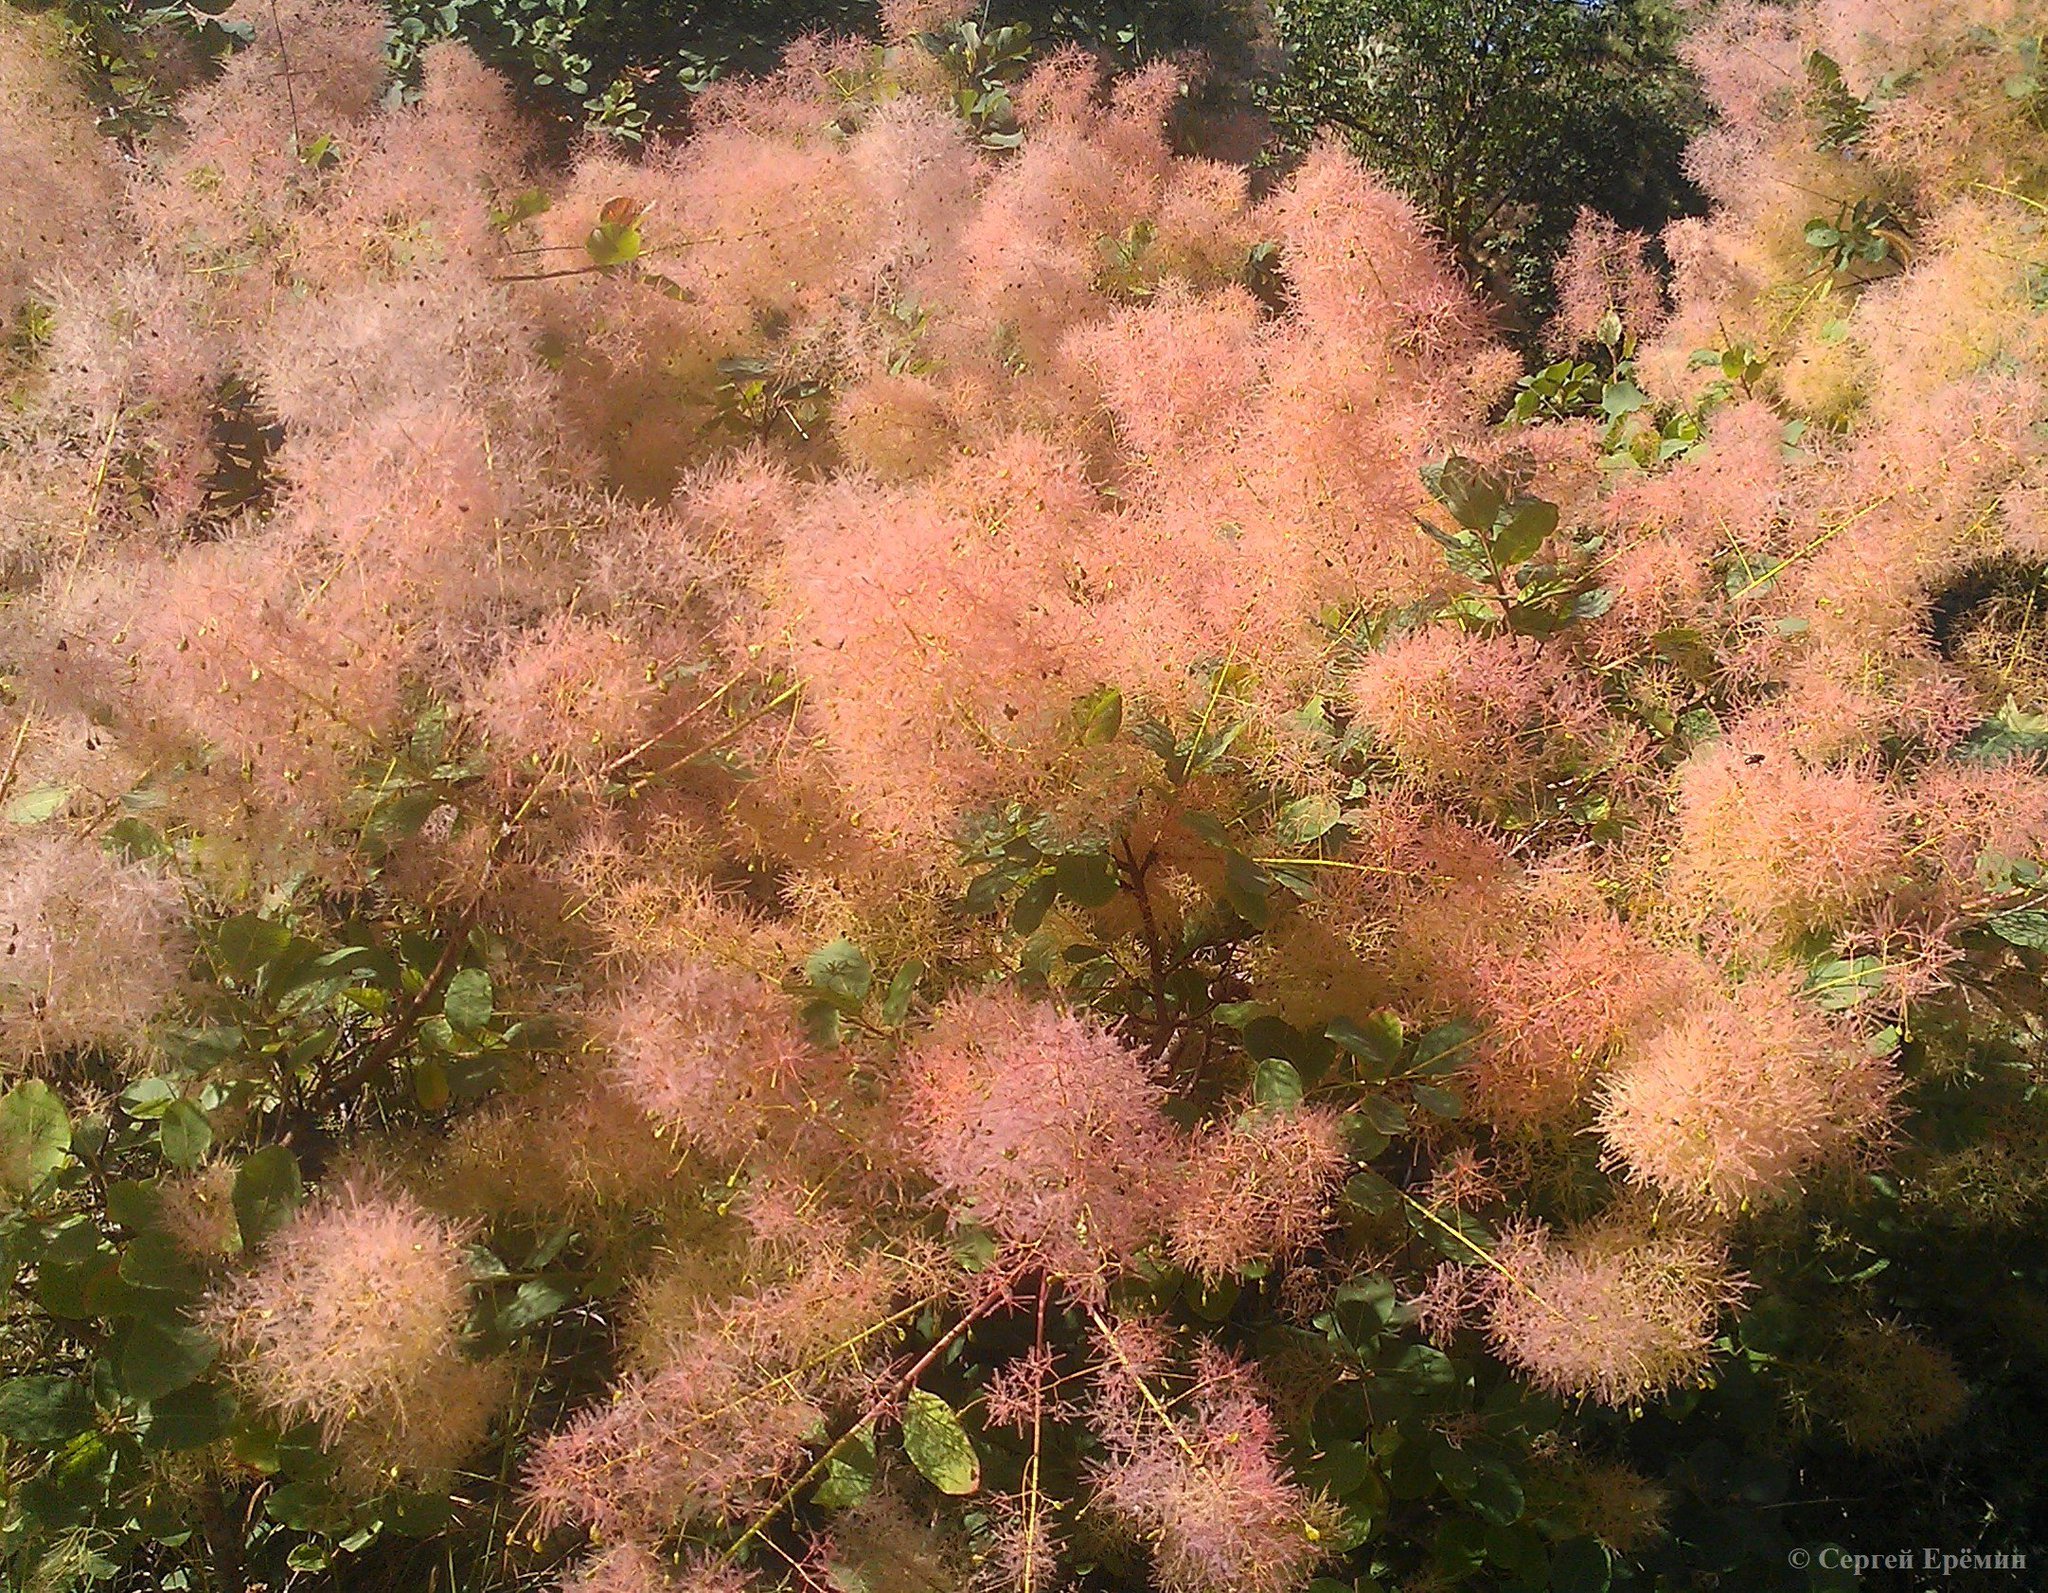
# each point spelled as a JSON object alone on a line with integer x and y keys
{"x": 35, "y": 1135}
{"x": 44, "y": 1410}
{"x": 34, "y": 807}
{"x": 189, "y": 1418}
{"x": 267, "y": 1192}
{"x": 185, "y": 1134}
{"x": 842, "y": 971}
{"x": 1377, "y": 1041}
{"x": 468, "y": 1003}
{"x": 246, "y": 944}
{"x": 938, "y": 1445}
{"x": 1276, "y": 1084}
{"x": 161, "y": 1357}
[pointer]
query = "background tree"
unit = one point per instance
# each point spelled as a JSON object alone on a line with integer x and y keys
{"x": 1501, "y": 118}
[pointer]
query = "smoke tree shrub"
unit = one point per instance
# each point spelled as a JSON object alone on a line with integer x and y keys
{"x": 860, "y": 855}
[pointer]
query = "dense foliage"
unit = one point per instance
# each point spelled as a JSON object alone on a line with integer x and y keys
{"x": 904, "y": 845}
{"x": 1501, "y": 118}
{"x": 619, "y": 65}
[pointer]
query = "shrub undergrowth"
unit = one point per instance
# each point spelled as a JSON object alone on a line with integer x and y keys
{"x": 907, "y": 846}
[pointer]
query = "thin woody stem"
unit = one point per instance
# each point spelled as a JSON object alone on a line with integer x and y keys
{"x": 874, "y": 1409}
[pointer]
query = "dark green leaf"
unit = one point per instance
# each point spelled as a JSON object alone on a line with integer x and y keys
{"x": 133, "y": 1204}
{"x": 246, "y": 944}
{"x": 896, "y": 1001}
{"x": 531, "y": 1304}
{"x": 1473, "y": 494}
{"x": 1384, "y": 1113}
{"x": 267, "y": 1192}
{"x": 1087, "y": 879}
{"x": 822, "y": 1022}
{"x": 849, "y": 1473}
{"x": 1580, "y": 1565}
{"x": 1213, "y": 1301}
{"x": 1590, "y": 604}
{"x": 1523, "y": 526}
{"x": 1495, "y": 1493}
{"x": 1839, "y": 984}
{"x": 417, "y": 1515}
{"x": 2023, "y": 926}
{"x": 78, "y": 1274}
{"x": 304, "y": 1507}
{"x": 160, "y": 1357}
{"x": 147, "y": 1098}
{"x": 1373, "y": 1195}
{"x": 189, "y": 1418}
{"x": 44, "y": 1411}
{"x": 75, "y": 1486}
{"x": 1377, "y": 1041}
{"x": 132, "y": 841}
{"x": 1425, "y": 1369}
{"x": 1443, "y": 1049}
{"x": 157, "y": 1262}
{"x": 1101, "y": 717}
{"x": 185, "y": 1134}
{"x": 1028, "y": 912}
{"x": 842, "y": 971}
{"x": 1307, "y": 820}
{"x": 1276, "y": 1084}
{"x": 1248, "y": 889}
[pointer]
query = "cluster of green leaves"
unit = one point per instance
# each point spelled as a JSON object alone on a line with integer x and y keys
{"x": 125, "y": 47}
{"x": 982, "y": 64}
{"x": 618, "y": 65}
{"x": 292, "y": 1042}
{"x": 1861, "y": 241}
{"x": 1844, "y": 116}
{"x": 623, "y": 65}
{"x": 1500, "y": 534}
{"x": 1640, "y": 434}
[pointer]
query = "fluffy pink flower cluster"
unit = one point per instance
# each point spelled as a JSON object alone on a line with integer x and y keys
{"x": 1203, "y": 1480}
{"x": 93, "y": 949}
{"x": 1742, "y": 1093}
{"x": 1484, "y": 718}
{"x": 1605, "y": 271}
{"x": 354, "y": 1308}
{"x": 1257, "y": 1190}
{"x": 630, "y": 1568}
{"x": 1045, "y": 1129}
{"x": 725, "y": 1417}
{"x": 1613, "y": 1313}
{"x": 713, "y": 1056}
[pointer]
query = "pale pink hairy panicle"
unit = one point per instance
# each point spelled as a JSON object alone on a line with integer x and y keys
{"x": 93, "y": 948}
{"x": 1611, "y": 1313}
{"x": 1257, "y": 1190}
{"x": 1743, "y": 1092}
{"x": 1604, "y": 271}
{"x": 1207, "y": 1487}
{"x": 1044, "y": 1128}
{"x": 357, "y": 1303}
{"x": 708, "y": 1054}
